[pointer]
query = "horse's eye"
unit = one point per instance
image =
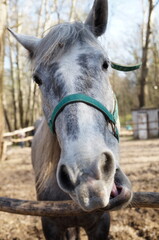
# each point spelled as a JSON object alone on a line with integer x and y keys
{"x": 37, "y": 80}
{"x": 105, "y": 65}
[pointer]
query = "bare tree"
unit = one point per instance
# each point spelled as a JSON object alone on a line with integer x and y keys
{"x": 145, "y": 49}
{"x": 152, "y": 98}
{"x": 3, "y": 6}
{"x": 72, "y": 10}
{"x": 15, "y": 122}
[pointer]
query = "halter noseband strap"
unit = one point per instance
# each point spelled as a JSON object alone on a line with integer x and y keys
{"x": 112, "y": 118}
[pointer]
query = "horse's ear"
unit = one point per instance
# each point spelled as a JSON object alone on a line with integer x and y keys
{"x": 28, "y": 42}
{"x": 97, "y": 18}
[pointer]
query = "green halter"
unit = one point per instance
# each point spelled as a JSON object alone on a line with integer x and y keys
{"x": 125, "y": 68}
{"x": 112, "y": 118}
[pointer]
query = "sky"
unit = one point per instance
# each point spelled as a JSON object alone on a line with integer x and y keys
{"x": 123, "y": 32}
{"x": 124, "y": 20}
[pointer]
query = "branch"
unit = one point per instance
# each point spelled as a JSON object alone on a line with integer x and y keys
{"x": 69, "y": 208}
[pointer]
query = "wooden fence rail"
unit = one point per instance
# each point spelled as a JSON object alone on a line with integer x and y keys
{"x": 69, "y": 208}
{"x": 16, "y": 132}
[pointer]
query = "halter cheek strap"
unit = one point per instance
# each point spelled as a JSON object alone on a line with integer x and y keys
{"x": 112, "y": 118}
{"x": 125, "y": 68}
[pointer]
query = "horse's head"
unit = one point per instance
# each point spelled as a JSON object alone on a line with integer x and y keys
{"x": 69, "y": 60}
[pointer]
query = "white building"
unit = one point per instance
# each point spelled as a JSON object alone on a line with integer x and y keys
{"x": 145, "y": 123}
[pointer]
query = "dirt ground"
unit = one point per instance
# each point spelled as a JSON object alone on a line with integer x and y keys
{"x": 139, "y": 160}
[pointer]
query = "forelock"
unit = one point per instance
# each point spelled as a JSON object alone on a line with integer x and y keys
{"x": 59, "y": 40}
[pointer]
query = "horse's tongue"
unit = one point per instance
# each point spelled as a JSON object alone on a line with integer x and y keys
{"x": 114, "y": 191}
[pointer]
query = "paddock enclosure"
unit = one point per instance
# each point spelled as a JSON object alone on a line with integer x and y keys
{"x": 140, "y": 160}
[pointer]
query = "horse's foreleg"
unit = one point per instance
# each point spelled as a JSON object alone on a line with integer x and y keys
{"x": 100, "y": 230}
{"x": 51, "y": 230}
{"x": 54, "y": 231}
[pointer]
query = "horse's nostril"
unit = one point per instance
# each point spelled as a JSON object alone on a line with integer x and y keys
{"x": 65, "y": 180}
{"x": 108, "y": 164}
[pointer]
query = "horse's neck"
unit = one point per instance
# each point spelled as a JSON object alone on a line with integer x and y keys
{"x": 45, "y": 154}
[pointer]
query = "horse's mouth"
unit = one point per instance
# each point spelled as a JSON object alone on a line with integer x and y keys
{"x": 120, "y": 196}
{"x": 116, "y": 190}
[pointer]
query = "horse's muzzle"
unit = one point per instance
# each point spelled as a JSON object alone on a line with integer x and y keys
{"x": 97, "y": 185}
{"x": 98, "y": 196}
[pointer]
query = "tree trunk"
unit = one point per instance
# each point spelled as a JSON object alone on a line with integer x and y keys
{"x": 7, "y": 119}
{"x": 71, "y": 17}
{"x": 20, "y": 94}
{"x": 3, "y": 6}
{"x": 19, "y": 79}
{"x": 15, "y": 122}
{"x": 144, "y": 69}
{"x": 38, "y": 28}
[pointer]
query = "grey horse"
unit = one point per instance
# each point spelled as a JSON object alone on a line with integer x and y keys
{"x": 75, "y": 151}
